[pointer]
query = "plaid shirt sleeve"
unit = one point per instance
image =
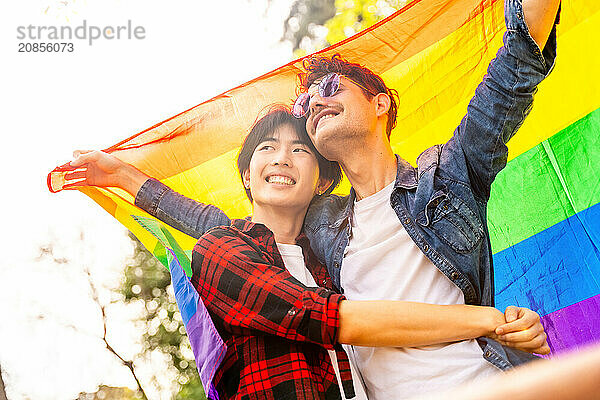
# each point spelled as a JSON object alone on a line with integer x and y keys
{"x": 241, "y": 285}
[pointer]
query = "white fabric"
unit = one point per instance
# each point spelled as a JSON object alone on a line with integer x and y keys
{"x": 383, "y": 263}
{"x": 294, "y": 263}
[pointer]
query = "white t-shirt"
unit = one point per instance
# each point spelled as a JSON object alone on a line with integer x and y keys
{"x": 294, "y": 263}
{"x": 382, "y": 262}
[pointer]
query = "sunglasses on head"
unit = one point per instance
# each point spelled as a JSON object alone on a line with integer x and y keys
{"x": 328, "y": 86}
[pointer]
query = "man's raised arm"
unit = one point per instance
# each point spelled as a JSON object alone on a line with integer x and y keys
{"x": 504, "y": 98}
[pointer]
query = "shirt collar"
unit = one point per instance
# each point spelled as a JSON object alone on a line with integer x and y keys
{"x": 258, "y": 230}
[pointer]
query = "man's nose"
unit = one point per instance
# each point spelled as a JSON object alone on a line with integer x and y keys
{"x": 316, "y": 103}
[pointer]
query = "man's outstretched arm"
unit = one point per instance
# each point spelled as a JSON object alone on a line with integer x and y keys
{"x": 539, "y": 17}
{"x": 410, "y": 324}
{"x": 97, "y": 168}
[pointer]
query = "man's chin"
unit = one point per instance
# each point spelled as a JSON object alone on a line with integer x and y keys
{"x": 325, "y": 143}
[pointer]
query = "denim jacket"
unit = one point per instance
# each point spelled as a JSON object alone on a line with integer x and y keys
{"x": 442, "y": 202}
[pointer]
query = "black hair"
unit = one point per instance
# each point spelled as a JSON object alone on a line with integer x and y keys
{"x": 263, "y": 128}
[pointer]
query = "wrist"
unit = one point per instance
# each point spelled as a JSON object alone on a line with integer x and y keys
{"x": 494, "y": 319}
{"x": 131, "y": 179}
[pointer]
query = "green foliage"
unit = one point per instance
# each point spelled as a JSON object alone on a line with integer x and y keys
{"x": 352, "y": 16}
{"x": 147, "y": 280}
{"x": 108, "y": 392}
{"x": 191, "y": 390}
{"x": 303, "y": 21}
{"x": 312, "y": 26}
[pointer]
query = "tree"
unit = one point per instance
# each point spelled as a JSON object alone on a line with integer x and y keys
{"x": 148, "y": 281}
{"x": 2, "y": 390}
{"x": 315, "y": 24}
{"x": 102, "y": 307}
{"x": 108, "y": 392}
{"x": 304, "y": 24}
{"x": 47, "y": 251}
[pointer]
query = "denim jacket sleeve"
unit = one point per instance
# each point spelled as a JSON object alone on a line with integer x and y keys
{"x": 180, "y": 212}
{"x": 503, "y": 100}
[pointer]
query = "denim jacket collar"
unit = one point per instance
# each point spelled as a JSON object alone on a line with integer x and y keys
{"x": 406, "y": 175}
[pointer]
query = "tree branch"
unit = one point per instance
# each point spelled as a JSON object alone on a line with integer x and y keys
{"x": 2, "y": 390}
{"x": 127, "y": 363}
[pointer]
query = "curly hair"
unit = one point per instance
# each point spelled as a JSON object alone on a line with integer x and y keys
{"x": 318, "y": 66}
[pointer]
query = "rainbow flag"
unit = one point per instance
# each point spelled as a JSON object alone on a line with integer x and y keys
{"x": 544, "y": 214}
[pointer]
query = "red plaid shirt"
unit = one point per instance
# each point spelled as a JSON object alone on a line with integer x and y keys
{"x": 277, "y": 330}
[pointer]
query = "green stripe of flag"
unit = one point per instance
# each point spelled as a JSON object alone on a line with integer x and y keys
{"x": 547, "y": 184}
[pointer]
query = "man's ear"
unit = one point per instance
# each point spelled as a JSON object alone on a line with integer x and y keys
{"x": 382, "y": 103}
{"x": 323, "y": 185}
{"x": 246, "y": 179}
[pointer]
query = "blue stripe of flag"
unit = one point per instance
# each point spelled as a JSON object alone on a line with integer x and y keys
{"x": 553, "y": 269}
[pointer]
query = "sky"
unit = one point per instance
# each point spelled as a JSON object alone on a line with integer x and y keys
{"x": 54, "y": 103}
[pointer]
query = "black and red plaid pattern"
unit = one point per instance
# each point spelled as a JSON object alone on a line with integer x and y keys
{"x": 277, "y": 330}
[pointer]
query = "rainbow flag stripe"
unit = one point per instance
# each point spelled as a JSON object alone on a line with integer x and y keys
{"x": 544, "y": 215}
{"x": 208, "y": 346}
{"x": 551, "y": 264}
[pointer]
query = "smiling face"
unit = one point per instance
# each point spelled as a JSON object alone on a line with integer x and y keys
{"x": 283, "y": 171}
{"x": 335, "y": 121}
{"x": 350, "y": 130}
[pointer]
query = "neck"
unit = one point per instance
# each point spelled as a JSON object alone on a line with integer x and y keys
{"x": 370, "y": 167}
{"x": 285, "y": 223}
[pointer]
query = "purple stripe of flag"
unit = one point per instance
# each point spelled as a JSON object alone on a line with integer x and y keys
{"x": 573, "y": 326}
{"x": 208, "y": 346}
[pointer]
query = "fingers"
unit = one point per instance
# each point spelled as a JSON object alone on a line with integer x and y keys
{"x": 531, "y": 338}
{"x": 524, "y": 336}
{"x": 75, "y": 179}
{"x": 545, "y": 349}
{"x": 81, "y": 157}
{"x": 538, "y": 345}
{"x": 76, "y": 174}
{"x": 77, "y": 153}
{"x": 74, "y": 185}
{"x": 511, "y": 313}
{"x": 526, "y": 319}
{"x": 523, "y": 331}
